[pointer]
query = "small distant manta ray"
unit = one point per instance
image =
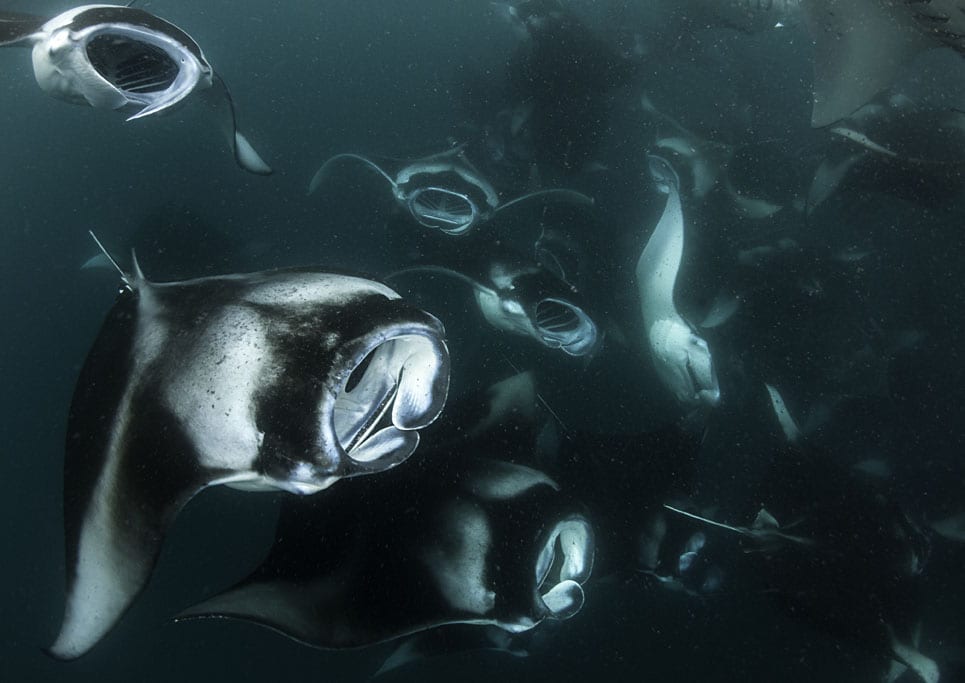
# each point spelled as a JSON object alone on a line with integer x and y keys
{"x": 453, "y": 538}
{"x": 280, "y": 380}
{"x": 446, "y": 192}
{"x": 526, "y": 299}
{"x": 123, "y": 58}
{"x": 682, "y": 358}
{"x": 860, "y": 46}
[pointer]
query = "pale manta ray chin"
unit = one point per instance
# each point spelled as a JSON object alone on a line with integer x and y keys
{"x": 123, "y": 58}
{"x": 278, "y": 380}
{"x": 681, "y": 358}
{"x": 445, "y": 191}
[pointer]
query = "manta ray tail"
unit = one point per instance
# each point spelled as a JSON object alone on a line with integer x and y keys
{"x": 218, "y": 98}
{"x": 17, "y": 28}
{"x": 323, "y": 169}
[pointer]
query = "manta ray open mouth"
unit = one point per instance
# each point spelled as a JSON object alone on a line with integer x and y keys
{"x": 564, "y": 325}
{"x": 436, "y": 207}
{"x": 395, "y": 389}
{"x": 564, "y": 563}
{"x": 130, "y": 65}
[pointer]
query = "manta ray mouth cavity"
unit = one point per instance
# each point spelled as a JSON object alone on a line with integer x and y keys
{"x": 393, "y": 389}
{"x": 132, "y": 65}
{"x": 564, "y": 563}
{"x": 442, "y": 209}
{"x": 557, "y": 319}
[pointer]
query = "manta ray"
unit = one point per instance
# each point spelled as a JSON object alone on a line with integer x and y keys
{"x": 123, "y": 58}
{"x": 280, "y": 380}
{"x": 445, "y": 191}
{"x": 682, "y": 359}
{"x": 861, "y": 45}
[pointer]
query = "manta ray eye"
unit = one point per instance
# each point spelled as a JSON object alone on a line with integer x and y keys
{"x": 131, "y": 65}
{"x": 451, "y": 212}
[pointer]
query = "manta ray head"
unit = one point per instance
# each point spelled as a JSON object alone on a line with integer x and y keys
{"x": 116, "y": 58}
{"x": 684, "y": 363}
{"x": 564, "y": 563}
{"x": 377, "y": 395}
{"x": 532, "y": 302}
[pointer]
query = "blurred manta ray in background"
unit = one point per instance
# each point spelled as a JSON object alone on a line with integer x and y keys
{"x": 123, "y": 58}
{"x": 861, "y": 45}
{"x": 280, "y": 380}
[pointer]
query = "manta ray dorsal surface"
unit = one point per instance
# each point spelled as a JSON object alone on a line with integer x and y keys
{"x": 859, "y": 48}
{"x": 287, "y": 380}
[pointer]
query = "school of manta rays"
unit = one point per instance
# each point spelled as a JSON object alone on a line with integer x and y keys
{"x": 498, "y": 513}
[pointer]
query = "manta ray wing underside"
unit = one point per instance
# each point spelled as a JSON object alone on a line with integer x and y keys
{"x": 116, "y": 510}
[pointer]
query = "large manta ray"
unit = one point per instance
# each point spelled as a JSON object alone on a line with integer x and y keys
{"x": 111, "y": 57}
{"x": 451, "y": 538}
{"x": 289, "y": 379}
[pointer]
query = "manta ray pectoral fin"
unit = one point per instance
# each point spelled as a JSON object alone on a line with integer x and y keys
{"x": 859, "y": 48}
{"x": 322, "y": 171}
{"x": 218, "y": 98}
{"x": 18, "y": 29}
{"x": 556, "y": 195}
{"x": 116, "y": 511}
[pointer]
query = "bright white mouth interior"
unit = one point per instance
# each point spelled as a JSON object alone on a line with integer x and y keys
{"x": 397, "y": 388}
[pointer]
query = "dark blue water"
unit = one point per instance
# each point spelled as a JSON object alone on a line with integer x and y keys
{"x": 872, "y": 341}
